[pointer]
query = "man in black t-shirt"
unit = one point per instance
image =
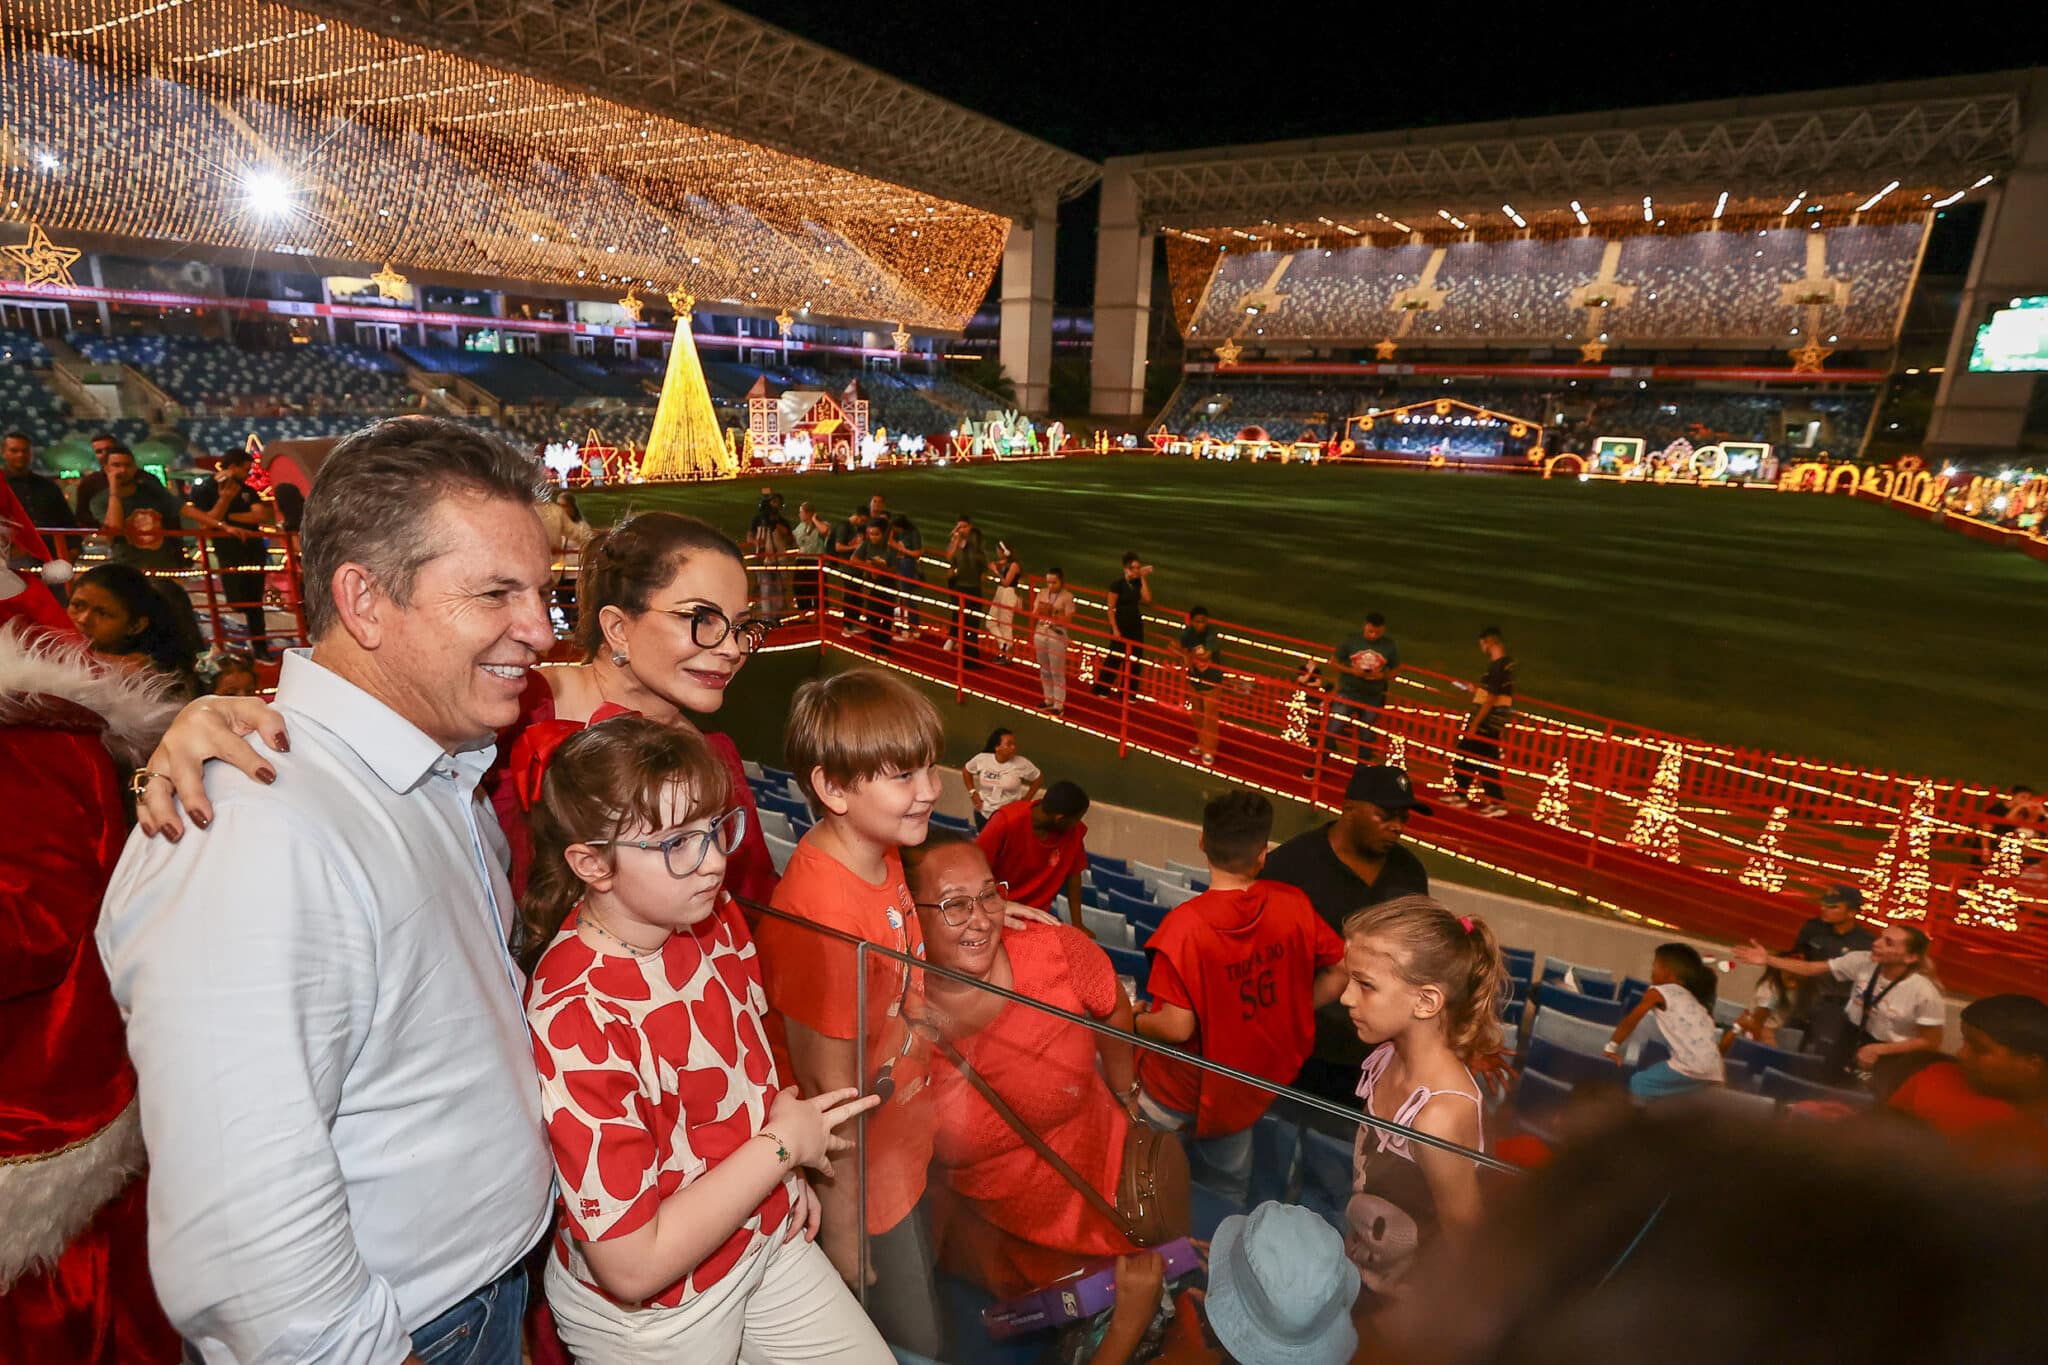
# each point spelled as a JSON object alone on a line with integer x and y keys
{"x": 1129, "y": 595}
{"x": 227, "y": 506}
{"x": 1480, "y": 741}
{"x": 1825, "y": 937}
{"x": 1199, "y": 632}
{"x": 1366, "y": 663}
{"x": 1354, "y": 861}
{"x": 38, "y": 494}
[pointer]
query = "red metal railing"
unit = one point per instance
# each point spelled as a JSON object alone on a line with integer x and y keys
{"x": 1690, "y": 851}
{"x": 203, "y": 577}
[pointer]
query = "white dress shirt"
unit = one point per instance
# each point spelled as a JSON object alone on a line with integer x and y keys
{"x": 338, "y": 1093}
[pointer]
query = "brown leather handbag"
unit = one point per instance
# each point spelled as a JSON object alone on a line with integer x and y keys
{"x": 1151, "y": 1205}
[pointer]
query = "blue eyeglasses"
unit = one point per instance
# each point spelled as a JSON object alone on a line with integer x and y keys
{"x": 684, "y": 853}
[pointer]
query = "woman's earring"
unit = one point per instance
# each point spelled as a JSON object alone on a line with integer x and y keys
{"x": 618, "y": 658}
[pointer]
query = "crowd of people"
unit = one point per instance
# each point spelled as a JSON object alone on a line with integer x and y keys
{"x": 503, "y": 992}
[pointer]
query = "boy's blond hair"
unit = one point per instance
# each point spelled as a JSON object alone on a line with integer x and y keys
{"x": 859, "y": 724}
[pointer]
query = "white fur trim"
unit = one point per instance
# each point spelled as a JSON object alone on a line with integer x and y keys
{"x": 35, "y": 662}
{"x": 47, "y": 1201}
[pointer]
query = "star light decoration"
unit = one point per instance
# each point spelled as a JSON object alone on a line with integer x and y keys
{"x": 1228, "y": 352}
{"x": 1385, "y": 349}
{"x": 901, "y": 337}
{"x": 632, "y": 305}
{"x": 682, "y": 302}
{"x": 1809, "y": 358}
{"x": 1593, "y": 352}
{"x": 43, "y": 261}
{"x": 390, "y": 284}
{"x": 783, "y": 322}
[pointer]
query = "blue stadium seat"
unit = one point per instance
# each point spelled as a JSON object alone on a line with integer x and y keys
{"x": 1564, "y": 1064}
{"x": 957, "y": 825}
{"x": 1554, "y": 997}
{"x": 1554, "y": 969}
{"x": 1103, "y": 862}
{"x": 1599, "y": 990}
{"x": 1130, "y": 962}
{"x": 1134, "y": 887}
{"x": 1134, "y": 910}
{"x": 1759, "y": 1058}
{"x": 1788, "y": 1089}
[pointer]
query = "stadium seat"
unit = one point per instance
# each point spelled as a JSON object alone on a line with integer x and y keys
{"x": 1136, "y": 911}
{"x": 957, "y": 825}
{"x": 776, "y": 823}
{"x": 1134, "y": 887}
{"x": 1538, "y": 1099}
{"x": 1789, "y": 1039}
{"x": 1760, "y": 1057}
{"x": 775, "y": 774}
{"x": 1153, "y": 876}
{"x": 1554, "y": 997}
{"x": 1571, "y": 1066}
{"x": 1128, "y": 962}
{"x": 1169, "y": 896}
{"x": 1568, "y": 1030}
{"x": 1110, "y": 929}
{"x": 1788, "y": 1089}
{"x": 1187, "y": 872}
{"x": 1726, "y": 1012}
{"x": 751, "y": 769}
{"x": 779, "y": 851}
{"x": 1632, "y": 985}
{"x": 1105, "y": 862}
{"x": 1554, "y": 969}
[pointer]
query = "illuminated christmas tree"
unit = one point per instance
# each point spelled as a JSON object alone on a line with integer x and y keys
{"x": 1554, "y": 807}
{"x": 686, "y": 439}
{"x": 1300, "y": 710}
{"x": 1655, "y": 830}
{"x": 1397, "y": 751}
{"x": 1898, "y": 882}
{"x": 1993, "y": 901}
{"x": 1765, "y": 872}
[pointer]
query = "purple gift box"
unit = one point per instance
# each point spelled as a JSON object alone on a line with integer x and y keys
{"x": 1080, "y": 1295}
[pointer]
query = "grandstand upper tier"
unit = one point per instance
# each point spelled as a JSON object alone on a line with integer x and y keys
{"x": 250, "y": 126}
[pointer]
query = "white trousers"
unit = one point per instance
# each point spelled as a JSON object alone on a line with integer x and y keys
{"x": 784, "y": 1303}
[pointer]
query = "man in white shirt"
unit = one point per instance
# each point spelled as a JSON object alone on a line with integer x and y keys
{"x": 338, "y": 1093}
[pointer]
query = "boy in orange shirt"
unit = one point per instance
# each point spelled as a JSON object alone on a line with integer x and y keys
{"x": 863, "y": 745}
{"x": 1237, "y": 975}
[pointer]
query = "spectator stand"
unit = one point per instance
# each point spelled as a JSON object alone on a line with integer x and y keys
{"x": 1719, "y": 841}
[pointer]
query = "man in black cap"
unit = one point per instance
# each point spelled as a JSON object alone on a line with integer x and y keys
{"x": 1825, "y": 937}
{"x": 1354, "y": 861}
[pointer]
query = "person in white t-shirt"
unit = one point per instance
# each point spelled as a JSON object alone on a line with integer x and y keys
{"x": 1895, "y": 1010}
{"x": 1682, "y": 989}
{"x": 998, "y": 775}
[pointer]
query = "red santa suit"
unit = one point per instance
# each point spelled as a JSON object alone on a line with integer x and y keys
{"x": 74, "y": 1266}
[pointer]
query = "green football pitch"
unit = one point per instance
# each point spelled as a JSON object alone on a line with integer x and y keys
{"x": 1812, "y": 625}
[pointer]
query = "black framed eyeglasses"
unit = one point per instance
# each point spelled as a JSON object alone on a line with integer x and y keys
{"x": 957, "y": 910}
{"x": 685, "y": 852}
{"x": 709, "y": 626}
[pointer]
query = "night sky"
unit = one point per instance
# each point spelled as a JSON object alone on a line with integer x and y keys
{"x": 1104, "y": 79}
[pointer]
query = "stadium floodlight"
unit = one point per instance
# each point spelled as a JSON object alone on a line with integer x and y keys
{"x": 1721, "y": 204}
{"x": 1793, "y": 207}
{"x": 1982, "y": 181}
{"x": 47, "y": 161}
{"x": 269, "y": 194}
{"x": 1453, "y": 219}
{"x": 1579, "y": 212}
{"x": 1953, "y": 198}
{"x": 1648, "y": 212}
{"x": 1519, "y": 220}
{"x": 1871, "y": 203}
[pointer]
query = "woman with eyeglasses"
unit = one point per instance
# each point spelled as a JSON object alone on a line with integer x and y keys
{"x": 1008, "y": 1220}
{"x": 687, "y": 1228}
{"x": 664, "y": 628}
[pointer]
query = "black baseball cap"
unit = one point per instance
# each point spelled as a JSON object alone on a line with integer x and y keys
{"x": 1841, "y": 893}
{"x": 1385, "y": 787}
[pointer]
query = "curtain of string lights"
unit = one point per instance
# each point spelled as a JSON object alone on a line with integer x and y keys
{"x": 236, "y": 123}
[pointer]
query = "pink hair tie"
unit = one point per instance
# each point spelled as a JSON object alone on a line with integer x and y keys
{"x": 1466, "y": 922}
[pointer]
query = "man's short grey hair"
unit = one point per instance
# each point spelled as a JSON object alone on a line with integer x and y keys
{"x": 376, "y": 491}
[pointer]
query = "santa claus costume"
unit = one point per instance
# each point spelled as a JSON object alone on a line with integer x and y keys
{"x": 74, "y": 1265}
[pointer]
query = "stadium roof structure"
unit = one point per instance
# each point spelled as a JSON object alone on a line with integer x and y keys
{"x": 706, "y": 64}
{"x": 1933, "y": 138}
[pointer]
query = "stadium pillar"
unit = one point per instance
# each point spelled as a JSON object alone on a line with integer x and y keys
{"x": 1025, "y": 344}
{"x": 1123, "y": 301}
{"x": 1983, "y": 414}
